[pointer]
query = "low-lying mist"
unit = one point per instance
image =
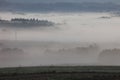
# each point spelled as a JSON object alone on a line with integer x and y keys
{"x": 78, "y": 39}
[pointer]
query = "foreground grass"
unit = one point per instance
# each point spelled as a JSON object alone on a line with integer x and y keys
{"x": 61, "y": 73}
{"x": 40, "y": 69}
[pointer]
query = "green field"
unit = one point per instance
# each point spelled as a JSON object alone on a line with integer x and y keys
{"x": 61, "y": 73}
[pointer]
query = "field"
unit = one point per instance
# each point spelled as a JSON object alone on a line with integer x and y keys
{"x": 61, "y": 73}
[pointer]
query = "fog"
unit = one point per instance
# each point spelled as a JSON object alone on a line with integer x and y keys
{"x": 76, "y": 39}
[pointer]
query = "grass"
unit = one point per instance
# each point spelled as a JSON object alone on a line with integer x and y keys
{"x": 61, "y": 73}
{"x": 60, "y": 69}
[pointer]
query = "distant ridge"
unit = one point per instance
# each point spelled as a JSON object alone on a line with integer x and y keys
{"x": 59, "y": 6}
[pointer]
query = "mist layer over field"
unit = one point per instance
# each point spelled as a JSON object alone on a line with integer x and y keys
{"x": 77, "y": 39}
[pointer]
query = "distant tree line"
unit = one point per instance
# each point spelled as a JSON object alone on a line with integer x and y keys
{"x": 26, "y": 22}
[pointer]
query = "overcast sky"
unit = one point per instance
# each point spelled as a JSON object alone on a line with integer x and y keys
{"x": 115, "y": 1}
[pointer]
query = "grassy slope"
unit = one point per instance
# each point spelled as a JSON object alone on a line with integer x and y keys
{"x": 61, "y": 73}
{"x": 61, "y": 69}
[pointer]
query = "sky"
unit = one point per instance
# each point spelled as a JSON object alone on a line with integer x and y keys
{"x": 115, "y": 1}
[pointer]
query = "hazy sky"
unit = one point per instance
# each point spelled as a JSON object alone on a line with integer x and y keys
{"x": 116, "y": 1}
